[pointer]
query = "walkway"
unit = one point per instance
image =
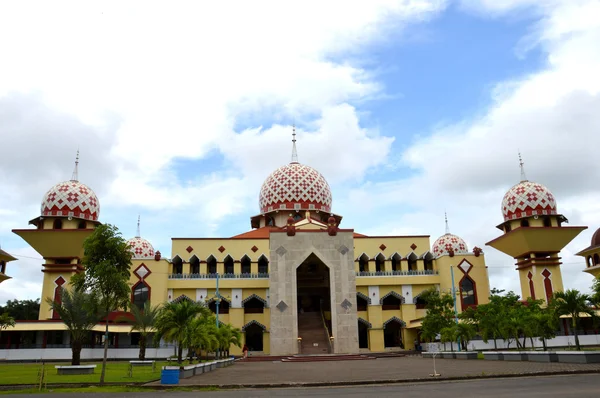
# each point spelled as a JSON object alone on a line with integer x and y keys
{"x": 383, "y": 369}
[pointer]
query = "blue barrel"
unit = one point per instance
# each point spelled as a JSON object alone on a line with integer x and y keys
{"x": 169, "y": 376}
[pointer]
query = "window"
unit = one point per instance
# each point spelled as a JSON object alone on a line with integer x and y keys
{"x": 263, "y": 265}
{"x": 270, "y": 221}
{"x": 420, "y": 303}
{"x": 211, "y": 264}
{"x": 507, "y": 228}
{"x": 380, "y": 263}
{"x": 194, "y": 265}
{"x": 81, "y": 225}
{"x": 467, "y": 292}
{"x": 361, "y": 303}
{"x": 2, "y": 267}
{"x": 547, "y": 222}
{"x": 177, "y": 265}
{"x": 596, "y": 259}
{"x": 57, "y": 224}
{"x": 363, "y": 263}
{"x": 228, "y": 265}
{"x": 254, "y": 306}
{"x": 524, "y": 223}
{"x": 396, "y": 262}
{"x": 391, "y": 302}
{"x": 246, "y": 269}
{"x": 141, "y": 294}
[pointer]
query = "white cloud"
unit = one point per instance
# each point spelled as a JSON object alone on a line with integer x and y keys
{"x": 551, "y": 116}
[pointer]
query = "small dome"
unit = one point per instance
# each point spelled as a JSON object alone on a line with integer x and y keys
{"x": 140, "y": 248}
{"x": 71, "y": 199}
{"x": 596, "y": 238}
{"x": 449, "y": 241}
{"x": 527, "y": 199}
{"x": 295, "y": 187}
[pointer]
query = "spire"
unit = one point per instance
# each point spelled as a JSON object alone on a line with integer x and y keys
{"x": 75, "y": 176}
{"x": 521, "y": 164}
{"x": 294, "y": 152}
{"x": 447, "y": 227}
{"x": 138, "y": 228}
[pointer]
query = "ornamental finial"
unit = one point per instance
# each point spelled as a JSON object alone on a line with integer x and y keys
{"x": 75, "y": 176}
{"x": 138, "y": 228}
{"x": 294, "y": 151}
{"x": 521, "y": 164}
{"x": 447, "y": 227}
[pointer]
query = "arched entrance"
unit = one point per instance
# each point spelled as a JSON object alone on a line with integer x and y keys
{"x": 363, "y": 333}
{"x": 392, "y": 333}
{"x": 314, "y": 305}
{"x": 254, "y": 336}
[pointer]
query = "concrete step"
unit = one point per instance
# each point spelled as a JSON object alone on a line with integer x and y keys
{"x": 324, "y": 358}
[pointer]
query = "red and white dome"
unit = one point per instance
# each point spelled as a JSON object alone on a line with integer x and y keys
{"x": 295, "y": 187}
{"x": 449, "y": 241}
{"x": 71, "y": 199}
{"x": 140, "y": 248}
{"x": 527, "y": 199}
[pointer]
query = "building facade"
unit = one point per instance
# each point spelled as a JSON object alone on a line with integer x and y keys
{"x": 296, "y": 282}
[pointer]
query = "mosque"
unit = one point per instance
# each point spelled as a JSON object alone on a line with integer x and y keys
{"x": 299, "y": 281}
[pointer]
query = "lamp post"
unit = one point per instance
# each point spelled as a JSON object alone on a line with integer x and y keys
{"x": 454, "y": 299}
{"x": 217, "y": 300}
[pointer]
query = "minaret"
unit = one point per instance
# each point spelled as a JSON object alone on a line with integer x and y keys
{"x": 4, "y": 258}
{"x": 534, "y": 235}
{"x": 75, "y": 176}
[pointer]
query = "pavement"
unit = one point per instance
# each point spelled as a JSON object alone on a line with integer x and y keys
{"x": 560, "y": 386}
{"x": 383, "y": 370}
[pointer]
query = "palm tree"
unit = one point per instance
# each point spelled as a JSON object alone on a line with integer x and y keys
{"x": 449, "y": 335}
{"x": 173, "y": 323}
{"x": 228, "y": 335}
{"x": 465, "y": 332}
{"x": 143, "y": 322}
{"x": 6, "y": 321}
{"x": 203, "y": 335}
{"x": 79, "y": 311}
{"x": 574, "y": 304}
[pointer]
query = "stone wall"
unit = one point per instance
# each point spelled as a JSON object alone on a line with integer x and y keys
{"x": 286, "y": 254}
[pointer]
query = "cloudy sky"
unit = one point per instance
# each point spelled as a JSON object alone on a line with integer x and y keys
{"x": 409, "y": 108}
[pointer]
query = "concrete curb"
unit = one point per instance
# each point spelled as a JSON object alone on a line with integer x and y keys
{"x": 367, "y": 382}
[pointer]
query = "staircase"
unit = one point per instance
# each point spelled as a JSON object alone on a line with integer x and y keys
{"x": 312, "y": 331}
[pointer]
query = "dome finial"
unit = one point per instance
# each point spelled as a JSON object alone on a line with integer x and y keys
{"x": 294, "y": 152}
{"x": 521, "y": 164}
{"x": 138, "y": 228}
{"x": 75, "y": 176}
{"x": 446, "y": 219}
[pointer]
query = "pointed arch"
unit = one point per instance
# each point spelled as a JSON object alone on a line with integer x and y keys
{"x": 256, "y": 297}
{"x": 428, "y": 260}
{"x": 194, "y": 265}
{"x": 254, "y": 322}
{"x": 396, "y": 260}
{"x": 412, "y": 261}
{"x": 228, "y": 264}
{"x": 246, "y": 264}
{"x": 392, "y": 294}
{"x": 419, "y": 302}
{"x": 177, "y": 264}
{"x": 395, "y": 320}
{"x": 263, "y": 264}
{"x": 211, "y": 264}
{"x": 364, "y": 297}
{"x": 363, "y": 262}
{"x": 379, "y": 263}
{"x": 181, "y": 298}
{"x": 365, "y": 322}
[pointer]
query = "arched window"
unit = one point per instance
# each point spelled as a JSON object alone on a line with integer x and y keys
{"x": 228, "y": 264}
{"x": 141, "y": 294}
{"x": 270, "y": 221}
{"x": 363, "y": 263}
{"x": 223, "y": 306}
{"x": 81, "y": 225}
{"x": 177, "y": 265}
{"x": 420, "y": 303}
{"x": 589, "y": 261}
{"x": 380, "y": 263}
{"x": 254, "y": 305}
{"x": 468, "y": 296}
{"x": 596, "y": 259}
{"x": 391, "y": 302}
{"x": 361, "y": 302}
{"x": 3, "y": 267}
{"x": 263, "y": 265}
{"x": 524, "y": 223}
{"x": 211, "y": 264}
{"x": 246, "y": 265}
{"x": 396, "y": 262}
{"x": 194, "y": 265}
{"x": 412, "y": 262}
{"x": 547, "y": 222}
{"x": 428, "y": 261}
{"x": 57, "y": 224}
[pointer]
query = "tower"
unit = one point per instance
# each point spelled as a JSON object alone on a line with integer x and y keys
{"x": 534, "y": 235}
{"x": 4, "y": 258}
{"x": 592, "y": 255}
{"x": 69, "y": 214}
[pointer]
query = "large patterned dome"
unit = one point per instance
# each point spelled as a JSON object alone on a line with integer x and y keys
{"x": 71, "y": 199}
{"x": 527, "y": 199}
{"x": 140, "y": 248}
{"x": 295, "y": 187}
{"x": 449, "y": 241}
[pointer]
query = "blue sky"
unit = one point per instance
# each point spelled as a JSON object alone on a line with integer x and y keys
{"x": 407, "y": 108}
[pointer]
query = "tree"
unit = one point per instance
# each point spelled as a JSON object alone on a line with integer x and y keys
{"x": 574, "y": 304}
{"x": 143, "y": 322}
{"x": 6, "y": 321}
{"x": 203, "y": 334}
{"x": 449, "y": 335}
{"x": 440, "y": 313}
{"x": 79, "y": 311}
{"x": 175, "y": 324}
{"x": 228, "y": 335}
{"x": 465, "y": 333}
{"x": 22, "y": 310}
{"x": 107, "y": 262}
{"x": 595, "y": 297}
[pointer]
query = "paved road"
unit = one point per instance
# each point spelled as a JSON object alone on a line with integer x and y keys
{"x": 580, "y": 386}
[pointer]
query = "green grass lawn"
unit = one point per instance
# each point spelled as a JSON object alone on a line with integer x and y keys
{"x": 116, "y": 372}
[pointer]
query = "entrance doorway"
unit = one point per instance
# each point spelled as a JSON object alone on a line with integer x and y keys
{"x": 363, "y": 334}
{"x": 392, "y": 333}
{"x": 314, "y": 306}
{"x": 254, "y": 337}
